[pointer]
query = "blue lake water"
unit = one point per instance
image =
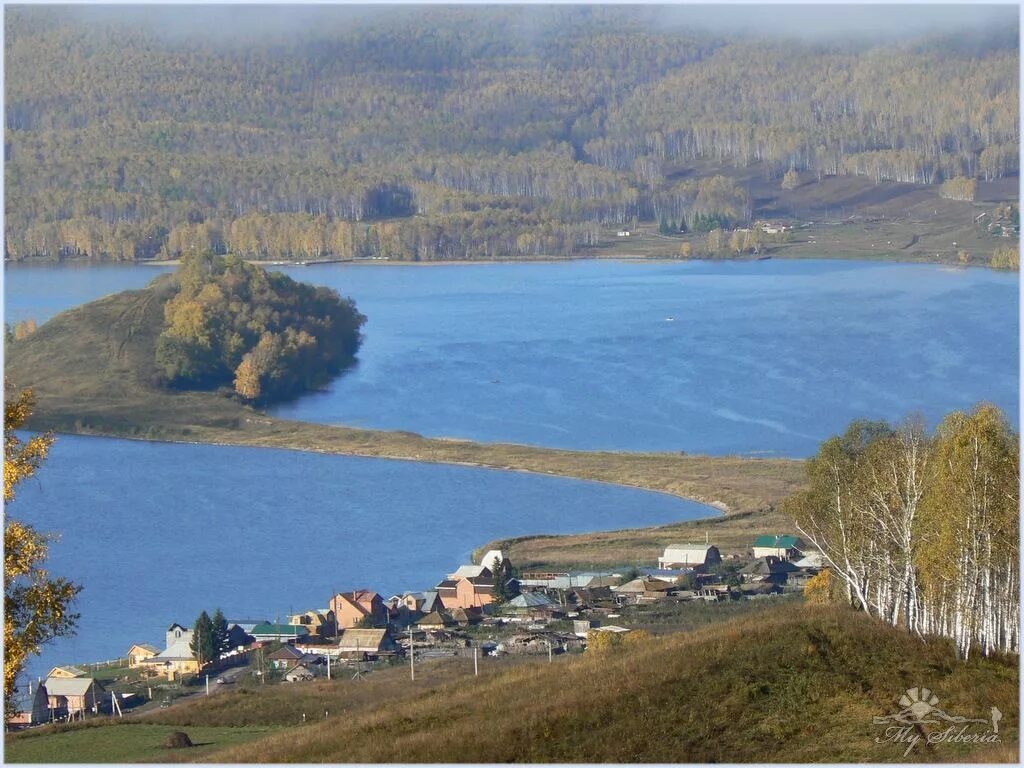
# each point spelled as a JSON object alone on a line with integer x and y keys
{"x": 158, "y": 532}
{"x": 763, "y": 358}
{"x": 760, "y": 358}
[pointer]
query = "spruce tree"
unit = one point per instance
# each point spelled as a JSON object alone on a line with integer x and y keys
{"x": 202, "y": 644}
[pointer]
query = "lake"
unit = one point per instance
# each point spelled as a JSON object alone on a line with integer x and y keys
{"x": 158, "y": 532}
{"x": 762, "y": 358}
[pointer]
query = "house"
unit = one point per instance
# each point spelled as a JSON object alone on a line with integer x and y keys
{"x": 435, "y": 620}
{"x": 532, "y": 604}
{"x": 690, "y": 556}
{"x": 73, "y": 695}
{"x": 238, "y": 638}
{"x": 365, "y": 642}
{"x": 245, "y": 625}
{"x": 471, "y": 572}
{"x": 66, "y": 672}
{"x": 284, "y": 657}
{"x": 545, "y": 580}
{"x": 767, "y": 569}
{"x": 359, "y": 607}
{"x": 671, "y": 575}
{"x": 643, "y": 590}
{"x": 784, "y": 547}
{"x": 320, "y": 623}
{"x": 623, "y": 233}
{"x": 467, "y": 592}
{"x": 139, "y": 653}
{"x": 285, "y": 633}
{"x": 177, "y": 657}
{"x": 39, "y": 712}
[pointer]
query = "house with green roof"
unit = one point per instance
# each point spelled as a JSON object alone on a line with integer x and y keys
{"x": 286, "y": 633}
{"x": 785, "y": 547}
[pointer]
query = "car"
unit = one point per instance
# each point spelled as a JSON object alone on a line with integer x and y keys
{"x": 165, "y": 704}
{"x": 221, "y": 681}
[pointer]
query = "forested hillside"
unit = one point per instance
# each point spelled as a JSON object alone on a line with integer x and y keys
{"x": 452, "y": 133}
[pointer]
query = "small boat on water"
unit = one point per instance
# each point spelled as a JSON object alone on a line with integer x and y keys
{"x": 669, "y": 319}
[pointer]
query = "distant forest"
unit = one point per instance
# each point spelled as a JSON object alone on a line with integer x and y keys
{"x": 454, "y": 133}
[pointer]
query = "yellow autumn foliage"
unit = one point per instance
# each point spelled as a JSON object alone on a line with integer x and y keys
{"x": 36, "y": 607}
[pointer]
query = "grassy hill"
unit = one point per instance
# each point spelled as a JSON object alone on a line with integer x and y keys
{"x": 791, "y": 684}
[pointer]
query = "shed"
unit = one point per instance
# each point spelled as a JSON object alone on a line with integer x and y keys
{"x": 74, "y": 694}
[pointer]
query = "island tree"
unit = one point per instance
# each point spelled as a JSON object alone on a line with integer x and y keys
{"x": 231, "y": 324}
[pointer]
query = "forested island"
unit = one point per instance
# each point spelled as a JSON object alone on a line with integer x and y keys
{"x": 232, "y": 323}
{"x": 480, "y": 133}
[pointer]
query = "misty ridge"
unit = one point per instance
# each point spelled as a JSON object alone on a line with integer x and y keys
{"x": 454, "y": 132}
{"x": 535, "y": 24}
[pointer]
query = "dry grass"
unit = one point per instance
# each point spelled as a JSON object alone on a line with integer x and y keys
{"x": 808, "y": 679}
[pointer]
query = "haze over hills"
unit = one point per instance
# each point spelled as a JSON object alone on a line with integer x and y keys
{"x": 456, "y": 132}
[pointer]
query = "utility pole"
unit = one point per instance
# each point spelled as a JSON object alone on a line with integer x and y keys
{"x": 412, "y": 657}
{"x": 476, "y": 668}
{"x": 207, "y": 685}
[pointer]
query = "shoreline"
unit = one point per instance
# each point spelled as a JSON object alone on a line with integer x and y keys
{"x": 623, "y": 257}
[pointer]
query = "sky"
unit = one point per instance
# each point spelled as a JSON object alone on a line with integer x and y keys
{"x": 807, "y": 21}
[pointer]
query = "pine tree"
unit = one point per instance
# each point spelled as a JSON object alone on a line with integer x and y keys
{"x": 203, "y": 642}
{"x": 220, "y": 634}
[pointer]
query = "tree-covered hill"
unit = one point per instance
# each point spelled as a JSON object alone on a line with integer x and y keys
{"x": 447, "y": 133}
{"x": 218, "y": 324}
{"x": 232, "y": 323}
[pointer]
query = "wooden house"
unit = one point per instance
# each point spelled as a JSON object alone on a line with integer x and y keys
{"x": 139, "y": 652}
{"x": 66, "y": 672}
{"x": 284, "y": 657}
{"x": 320, "y": 623}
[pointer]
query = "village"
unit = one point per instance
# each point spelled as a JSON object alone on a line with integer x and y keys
{"x": 479, "y": 610}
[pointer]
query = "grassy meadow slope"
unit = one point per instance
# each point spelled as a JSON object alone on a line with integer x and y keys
{"x": 791, "y": 684}
{"x": 92, "y": 369}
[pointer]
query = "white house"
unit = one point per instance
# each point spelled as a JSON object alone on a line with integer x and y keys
{"x": 690, "y": 556}
{"x": 783, "y": 547}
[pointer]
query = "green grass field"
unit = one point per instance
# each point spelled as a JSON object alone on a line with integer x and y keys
{"x": 126, "y": 743}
